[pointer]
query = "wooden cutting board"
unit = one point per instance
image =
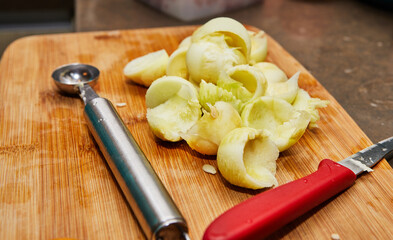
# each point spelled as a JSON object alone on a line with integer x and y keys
{"x": 55, "y": 183}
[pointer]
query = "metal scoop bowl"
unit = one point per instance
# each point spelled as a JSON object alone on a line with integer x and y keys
{"x": 152, "y": 205}
{"x": 68, "y": 77}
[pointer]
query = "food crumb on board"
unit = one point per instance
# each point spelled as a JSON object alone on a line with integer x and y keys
{"x": 209, "y": 169}
{"x": 335, "y": 236}
{"x": 121, "y": 104}
{"x": 140, "y": 116}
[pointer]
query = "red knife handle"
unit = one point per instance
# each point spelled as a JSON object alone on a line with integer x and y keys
{"x": 263, "y": 214}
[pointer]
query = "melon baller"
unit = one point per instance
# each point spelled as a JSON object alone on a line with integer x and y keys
{"x": 152, "y": 205}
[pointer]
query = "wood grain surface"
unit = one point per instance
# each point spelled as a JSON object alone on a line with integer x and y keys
{"x": 55, "y": 183}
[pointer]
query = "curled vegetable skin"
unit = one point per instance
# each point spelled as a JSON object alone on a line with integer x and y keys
{"x": 258, "y": 47}
{"x": 147, "y": 68}
{"x": 177, "y": 63}
{"x": 205, "y": 136}
{"x": 186, "y": 42}
{"x": 247, "y": 158}
{"x": 286, "y": 90}
{"x": 209, "y": 94}
{"x": 172, "y": 107}
{"x": 303, "y": 101}
{"x": 236, "y": 35}
{"x": 205, "y": 60}
{"x": 278, "y": 118}
{"x": 244, "y": 82}
{"x": 271, "y": 72}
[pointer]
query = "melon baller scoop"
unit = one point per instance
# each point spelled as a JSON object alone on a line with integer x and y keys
{"x": 152, "y": 205}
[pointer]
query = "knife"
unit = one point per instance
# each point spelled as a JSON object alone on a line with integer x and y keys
{"x": 263, "y": 214}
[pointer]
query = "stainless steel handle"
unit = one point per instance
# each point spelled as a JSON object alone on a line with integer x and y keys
{"x": 152, "y": 205}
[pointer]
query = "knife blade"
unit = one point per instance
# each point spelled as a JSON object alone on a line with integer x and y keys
{"x": 263, "y": 214}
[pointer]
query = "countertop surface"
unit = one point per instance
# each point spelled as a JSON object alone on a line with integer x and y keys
{"x": 346, "y": 45}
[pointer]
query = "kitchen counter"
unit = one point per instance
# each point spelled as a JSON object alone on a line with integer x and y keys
{"x": 346, "y": 45}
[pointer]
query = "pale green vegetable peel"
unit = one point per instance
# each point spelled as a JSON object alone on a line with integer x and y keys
{"x": 171, "y": 118}
{"x": 234, "y": 30}
{"x": 286, "y": 90}
{"x": 258, "y": 47}
{"x": 172, "y": 110}
{"x": 303, "y": 101}
{"x": 247, "y": 158}
{"x": 210, "y": 94}
{"x": 244, "y": 82}
{"x": 205, "y": 136}
{"x": 177, "y": 65}
{"x": 271, "y": 72}
{"x": 147, "y": 68}
{"x": 284, "y": 124}
{"x": 205, "y": 60}
{"x": 164, "y": 88}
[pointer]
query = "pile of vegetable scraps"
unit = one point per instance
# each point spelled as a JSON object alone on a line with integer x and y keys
{"x": 217, "y": 92}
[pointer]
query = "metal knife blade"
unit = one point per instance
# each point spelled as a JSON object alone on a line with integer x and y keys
{"x": 368, "y": 157}
{"x": 261, "y": 215}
